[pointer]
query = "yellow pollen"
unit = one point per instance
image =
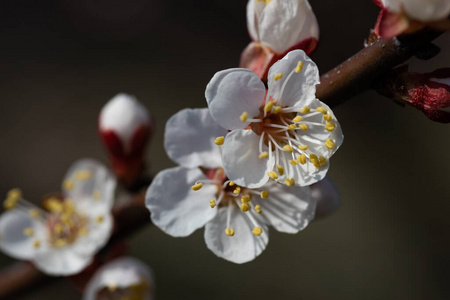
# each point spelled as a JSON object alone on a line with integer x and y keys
{"x": 305, "y": 110}
{"x": 280, "y": 170}
{"x": 268, "y": 107}
{"x": 292, "y": 127}
{"x": 99, "y": 219}
{"x": 83, "y": 231}
{"x": 257, "y": 231}
{"x": 272, "y": 175}
{"x": 212, "y": 203}
{"x": 53, "y": 205}
{"x": 288, "y": 148}
{"x": 60, "y": 242}
{"x": 297, "y": 119}
{"x": 293, "y": 162}
{"x": 329, "y": 144}
{"x": 96, "y": 195}
{"x": 83, "y": 175}
{"x": 58, "y": 228}
{"x": 112, "y": 287}
{"x": 290, "y": 181}
{"x": 244, "y": 116}
{"x": 245, "y": 199}
{"x": 321, "y": 109}
{"x": 264, "y": 194}
{"x": 327, "y": 117}
{"x": 231, "y": 183}
{"x": 313, "y": 156}
{"x": 36, "y": 244}
{"x": 263, "y": 155}
{"x": 229, "y": 231}
{"x": 68, "y": 184}
{"x": 28, "y": 231}
{"x": 258, "y": 209}
{"x": 9, "y": 203}
{"x": 219, "y": 140}
{"x": 245, "y": 207}
{"x": 322, "y": 161}
{"x": 34, "y": 213}
{"x": 197, "y": 186}
{"x": 237, "y": 190}
{"x": 303, "y": 147}
{"x": 302, "y": 159}
{"x": 299, "y": 66}
{"x": 277, "y": 109}
{"x": 303, "y": 127}
{"x": 314, "y": 160}
{"x": 278, "y": 76}
{"x": 329, "y": 126}
{"x": 14, "y": 194}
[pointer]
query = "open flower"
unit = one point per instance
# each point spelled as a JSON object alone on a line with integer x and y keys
{"x": 404, "y": 16}
{"x": 284, "y": 134}
{"x": 62, "y": 238}
{"x": 276, "y": 27}
{"x": 198, "y": 193}
{"x": 123, "y": 278}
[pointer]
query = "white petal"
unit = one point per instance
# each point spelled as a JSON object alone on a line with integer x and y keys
{"x": 254, "y": 10}
{"x": 288, "y": 209}
{"x": 306, "y": 174}
{"x": 285, "y": 23}
{"x": 232, "y": 92}
{"x": 293, "y": 89}
{"x": 123, "y": 114}
{"x": 98, "y": 188}
{"x": 60, "y": 261}
{"x": 430, "y": 10}
{"x": 327, "y": 196}
{"x": 243, "y": 246}
{"x": 241, "y": 159}
{"x": 122, "y": 273}
{"x": 189, "y": 139}
{"x": 175, "y": 207}
{"x": 13, "y": 241}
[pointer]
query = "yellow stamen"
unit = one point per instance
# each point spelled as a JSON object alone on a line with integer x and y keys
{"x": 293, "y": 162}
{"x": 263, "y": 155}
{"x": 288, "y": 148}
{"x": 14, "y": 194}
{"x": 292, "y": 127}
{"x": 58, "y": 228}
{"x": 229, "y": 231}
{"x": 245, "y": 199}
{"x": 219, "y": 140}
{"x": 321, "y": 109}
{"x": 302, "y": 159}
{"x": 264, "y": 194}
{"x": 231, "y": 183}
{"x": 68, "y": 184}
{"x": 276, "y": 109}
{"x": 280, "y": 170}
{"x": 305, "y": 110}
{"x": 244, "y": 116}
{"x": 329, "y": 144}
{"x": 28, "y": 231}
{"x": 278, "y": 76}
{"x": 60, "y": 242}
{"x": 272, "y": 175}
{"x": 83, "y": 175}
{"x": 314, "y": 160}
{"x": 322, "y": 161}
{"x": 268, "y": 107}
{"x": 112, "y": 287}
{"x": 327, "y": 117}
{"x": 257, "y": 231}
{"x": 53, "y": 205}
{"x": 258, "y": 209}
{"x": 297, "y": 119}
{"x": 237, "y": 190}
{"x": 99, "y": 219}
{"x": 34, "y": 213}
{"x": 9, "y": 203}
{"x": 313, "y": 156}
{"x": 36, "y": 244}
{"x": 290, "y": 181}
{"x": 212, "y": 203}
{"x": 197, "y": 186}
{"x": 83, "y": 231}
{"x": 303, "y": 127}
{"x": 303, "y": 147}
{"x": 299, "y": 66}
{"x": 245, "y": 207}
{"x": 329, "y": 126}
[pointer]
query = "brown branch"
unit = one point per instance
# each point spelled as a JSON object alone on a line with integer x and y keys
{"x": 356, "y": 74}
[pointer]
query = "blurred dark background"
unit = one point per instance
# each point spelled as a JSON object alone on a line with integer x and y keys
{"x": 60, "y": 61}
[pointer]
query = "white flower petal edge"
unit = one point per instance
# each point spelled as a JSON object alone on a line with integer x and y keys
{"x": 189, "y": 139}
{"x": 241, "y": 161}
{"x": 231, "y": 92}
{"x": 175, "y": 207}
{"x": 327, "y": 197}
{"x": 243, "y": 246}
{"x": 254, "y": 10}
{"x": 62, "y": 262}
{"x": 431, "y": 10}
{"x": 122, "y": 273}
{"x": 297, "y": 85}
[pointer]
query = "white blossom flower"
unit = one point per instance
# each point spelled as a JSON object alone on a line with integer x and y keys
{"x": 122, "y": 278}
{"x": 63, "y": 238}
{"x": 197, "y": 193}
{"x": 284, "y": 134}
{"x": 425, "y": 11}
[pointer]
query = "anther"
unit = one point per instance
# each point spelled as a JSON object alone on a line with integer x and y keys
{"x": 277, "y": 109}
{"x": 60, "y": 242}
{"x": 15, "y": 194}
{"x": 299, "y": 66}
{"x": 272, "y": 175}
{"x": 303, "y": 127}
{"x": 321, "y": 109}
{"x": 303, "y": 147}
{"x": 245, "y": 199}
{"x": 268, "y": 107}
{"x": 290, "y": 181}
{"x": 219, "y": 140}
{"x": 83, "y": 231}
{"x": 257, "y": 231}
{"x": 302, "y": 159}
{"x": 327, "y": 117}
{"x": 329, "y": 144}
{"x": 68, "y": 184}
{"x": 36, "y": 244}
{"x": 245, "y": 207}
{"x": 244, "y": 116}
{"x": 292, "y": 127}
{"x": 288, "y": 148}
{"x": 237, "y": 190}
{"x": 28, "y": 231}
{"x": 229, "y": 231}
{"x": 99, "y": 219}
{"x": 329, "y": 126}
{"x": 83, "y": 175}
{"x": 231, "y": 183}
{"x": 322, "y": 161}
{"x": 212, "y": 203}
{"x": 263, "y": 155}
{"x": 264, "y": 194}
{"x": 57, "y": 229}
{"x": 297, "y": 119}
{"x": 305, "y": 110}
{"x": 293, "y": 162}
{"x": 258, "y": 209}
{"x": 280, "y": 170}
{"x": 278, "y": 76}
{"x": 34, "y": 213}
{"x": 197, "y": 186}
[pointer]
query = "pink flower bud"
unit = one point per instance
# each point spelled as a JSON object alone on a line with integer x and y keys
{"x": 125, "y": 127}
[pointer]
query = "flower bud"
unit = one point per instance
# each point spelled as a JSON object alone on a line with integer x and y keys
{"x": 276, "y": 28}
{"x": 125, "y": 127}
{"x": 327, "y": 196}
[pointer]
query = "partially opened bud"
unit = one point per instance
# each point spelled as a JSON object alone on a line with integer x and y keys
{"x": 125, "y": 127}
{"x": 123, "y": 278}
{"x": 429, "y": 92}
{"x": 276, "y": 28}
{"x": 327, "y": 196}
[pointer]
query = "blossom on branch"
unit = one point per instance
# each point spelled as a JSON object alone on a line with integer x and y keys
{"x": 123, "y": 278}
{"x": 198, "y": 193}
{"x": 284, "y": 134}
{"x": 125, "y": 127}
{"x": 277, "y": 27}
{"x": 62, "y": 238}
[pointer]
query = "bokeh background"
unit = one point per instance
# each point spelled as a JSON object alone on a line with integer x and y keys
{"x": 60, "y": 61}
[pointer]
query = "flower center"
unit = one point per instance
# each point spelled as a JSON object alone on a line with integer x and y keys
{"x": 138, "y": 291}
